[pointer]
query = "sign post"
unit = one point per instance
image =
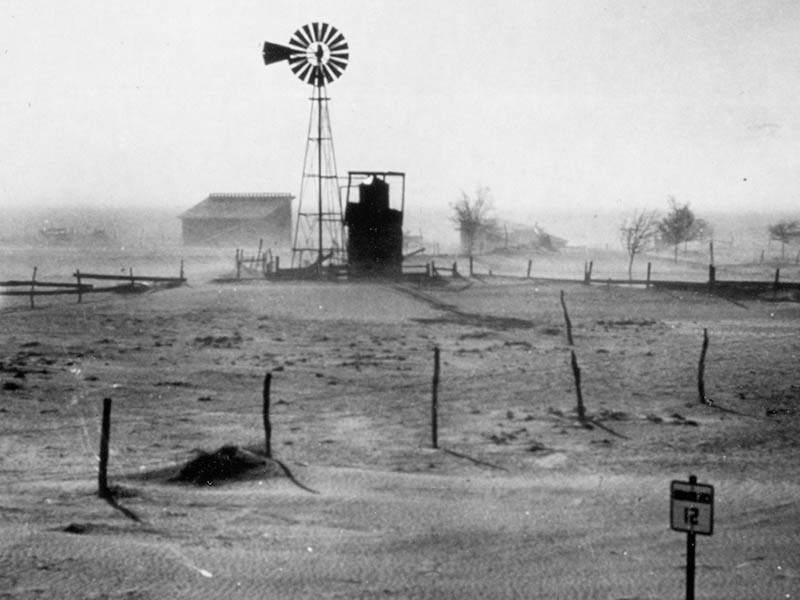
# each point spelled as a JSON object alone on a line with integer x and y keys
{"x": 691, "y": 510}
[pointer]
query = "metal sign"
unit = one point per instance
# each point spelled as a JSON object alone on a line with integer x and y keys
{"x": 692, "y": 507}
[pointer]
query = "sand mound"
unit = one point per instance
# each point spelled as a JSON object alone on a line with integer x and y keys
{"x": 225, "y": 464}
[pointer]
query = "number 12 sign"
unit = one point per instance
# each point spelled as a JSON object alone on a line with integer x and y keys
{"x": 692, "y": 507}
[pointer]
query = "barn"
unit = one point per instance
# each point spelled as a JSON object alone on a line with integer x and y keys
{"x": 240, "y": 220}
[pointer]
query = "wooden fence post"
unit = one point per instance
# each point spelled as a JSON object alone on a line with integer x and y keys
{"x": 105, "y": 430}
{"x": 238, "y": 264}
{"x": 471, "y": 271}
{"x": 701, "y": 387}
{"x": 80, "y": 290}
{"x": 647, "y": 284}
{"x": 711, "y": 250}
{"x": 528, "y": 274}
{"x": 777, "y": 283}
{"x": 267, "y": 423}
{"x": 712, "y": 276}
{"x": 566, "y": 318}
{"x": 576, "y": 373}
{"x": 33, "y": 285}
{"x": 435, "y": 400}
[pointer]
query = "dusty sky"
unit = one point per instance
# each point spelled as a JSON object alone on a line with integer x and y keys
{"x": 578, "y": 105}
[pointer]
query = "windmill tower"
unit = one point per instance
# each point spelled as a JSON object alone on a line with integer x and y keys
{"x": 317, "y": 54}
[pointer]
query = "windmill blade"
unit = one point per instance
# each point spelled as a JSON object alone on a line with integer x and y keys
{"x": 317, "y": 36}
{"x": 302, "y": 71}
{"x": 337, "y": 41}
{"x": 340, "y": 64}
{"x": 300, "y": 40}
{"x": 309, "y": 34}
{"x": 275, "y": 53}
{"x": 340, "y": 56}
{"x": 329, "y": 73}
{"x": 326, "y": 32}
{"x": 335, "y": 70}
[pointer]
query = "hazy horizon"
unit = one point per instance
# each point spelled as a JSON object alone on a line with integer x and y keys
{"x": 576, "y": 105}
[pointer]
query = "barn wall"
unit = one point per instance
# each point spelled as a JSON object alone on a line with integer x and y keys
{"x": 275, "y": 231}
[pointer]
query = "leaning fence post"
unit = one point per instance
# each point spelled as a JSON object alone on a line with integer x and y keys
{"x": 566, "y": 318}
{"x": 435, "y": 400}
{"x": 528, "y": 274}
{"x": 105, "y": 430}
{"x": 267, "y": 423}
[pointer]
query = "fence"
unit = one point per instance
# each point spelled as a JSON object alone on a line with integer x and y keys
{"x": 37, "y": 288}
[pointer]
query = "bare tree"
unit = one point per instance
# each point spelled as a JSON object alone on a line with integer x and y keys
{"x": 636, "y": 231}
{"x": 680, "y": 225}
{"x": 784, "y": 232}
{"x": 472, "y": 217}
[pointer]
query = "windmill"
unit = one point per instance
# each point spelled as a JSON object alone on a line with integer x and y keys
{"x": 317, "y": 54}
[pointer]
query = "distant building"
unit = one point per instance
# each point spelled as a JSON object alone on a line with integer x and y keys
{"x": 239, "y": 220}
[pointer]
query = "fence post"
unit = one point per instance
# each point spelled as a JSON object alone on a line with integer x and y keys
{"x": 576, "y": 373}
{"x": 647, "y": 284}
{"x": 277, "y": 263}
{"x": 80, "y": 289}
{"x": 435, "y": 400}
{"x": 133, "y": 281}
{"x": 238, "y": 265}
{"x": 33, "y": 285}
{"x": 712, "y": 276}
{"x": 455, "y": 268}
{"x": 566, "y": 318}
{"x": 701, "y": 387}
{"x": 528, "y": 274}
{"x": 181, "y": 272}
{"x": 777, "y": 283}
{"x": 470, "y": 266}
{"x": 267, "y": 423}
{"x": 711, "y": 250}
{"x": 105, "y": 430}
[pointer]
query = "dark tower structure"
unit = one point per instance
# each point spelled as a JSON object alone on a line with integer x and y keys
{"x": 374, "y": 228}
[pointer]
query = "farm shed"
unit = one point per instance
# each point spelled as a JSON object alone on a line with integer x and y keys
{"x": 239, "y": 220}
{"x": 516, "y": 235}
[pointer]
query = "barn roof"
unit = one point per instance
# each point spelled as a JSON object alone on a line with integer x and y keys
{"x": 237, "y": 206}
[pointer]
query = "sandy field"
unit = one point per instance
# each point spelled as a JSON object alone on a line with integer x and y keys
{"x": 519, "y": 501}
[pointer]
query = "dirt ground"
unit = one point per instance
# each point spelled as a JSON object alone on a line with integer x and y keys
{"x": 519, "y": 501}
